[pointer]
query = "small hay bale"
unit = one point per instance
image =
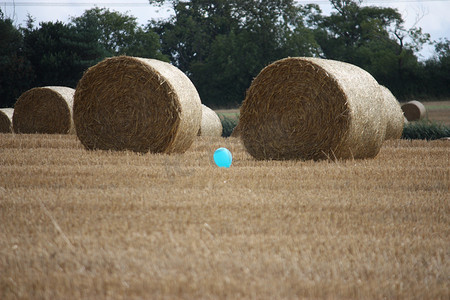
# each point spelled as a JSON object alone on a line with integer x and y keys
{"x": 138, "y": 104}
{"x": 311, "y": 108}
{"x": 6, "y": 115}
{"x": 394, "y": 115}
{"x": 211, "y": 124}
{"x": 414, "y": 110}
{"x": 44, "y": 110}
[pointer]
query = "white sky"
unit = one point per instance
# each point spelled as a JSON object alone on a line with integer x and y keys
{"x": 434, "y": 13}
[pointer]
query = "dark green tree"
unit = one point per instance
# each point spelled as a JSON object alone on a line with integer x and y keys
{"x": 187, "y": 37}
{"x": 58, "y": 53}
{"x": 15, "y": 69}
{"x": 222, "y": 45}
{"x": 118, "y": 34}
{"x": 375, "y": 39}
{"x": 436, "y": 72}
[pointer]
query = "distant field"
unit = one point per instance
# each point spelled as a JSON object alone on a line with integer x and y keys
{"x": 79, "y": 224}
{"x": 438, "y": 111}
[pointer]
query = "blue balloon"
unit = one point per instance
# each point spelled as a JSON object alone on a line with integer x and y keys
{"x": 223, "y": 157}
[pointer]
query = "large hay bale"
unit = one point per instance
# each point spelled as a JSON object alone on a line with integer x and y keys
{"x": 211, "y": 124}
{"x": 414, "y": 110}
{"x": 311, "y": 108}
{"x": 6, "y": 115}
{"x": 138, "y": 104}
{"x": 394, "y": 115}
{"x": 44, "y": 110}
{"x": 236, "y": 133}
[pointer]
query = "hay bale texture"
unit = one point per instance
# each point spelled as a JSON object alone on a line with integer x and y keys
{"x": 138, "y": 104}
{"x": 211, "y": 124}
{"x": 44, "y": 110}
{"x": 236, "y": 133}
{"x": 414, "y": 111}
{"x": 311, "y": 108}
{"x": 6, "y": 115}
{"x": 394, "y": 115}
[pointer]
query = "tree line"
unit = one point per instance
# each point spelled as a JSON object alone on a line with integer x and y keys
{"x": 223, "y": 44}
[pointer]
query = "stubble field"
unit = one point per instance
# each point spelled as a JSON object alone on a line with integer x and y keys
{"x": 120, "y": 225}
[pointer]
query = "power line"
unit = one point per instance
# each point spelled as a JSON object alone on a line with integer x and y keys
{"x": 136, "y": 4}
{"x": 119, "y": 4}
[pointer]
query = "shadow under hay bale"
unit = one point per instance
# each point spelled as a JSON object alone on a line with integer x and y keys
{"x": 6, "y": 115}
{"x": 414, "y": 111}
{"x": 394, "y": 115}
{"x": 211, "y": 124}
{"x": 138, "y": 104}
{"x": 44, "y": 110}
{"x": 311, "y": 108}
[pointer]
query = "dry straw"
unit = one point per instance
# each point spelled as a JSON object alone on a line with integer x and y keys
{"x": 6, "y": 115}
{"x": 210, "y": 125}
{"x": 44, "y": 110}
{"x": 138, "y": 104}
{"x": 311, "y": 108}
{"x": 414, "y": 110}
{"x": 394, "y": 115}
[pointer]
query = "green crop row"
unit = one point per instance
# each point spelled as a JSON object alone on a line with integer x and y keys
{"x": 425, "y": 130}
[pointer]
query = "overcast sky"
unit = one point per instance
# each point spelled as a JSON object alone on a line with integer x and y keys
{"x": 431, "y": 15}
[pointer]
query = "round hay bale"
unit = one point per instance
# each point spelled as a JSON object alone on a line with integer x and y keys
{"x": 6, "y": 115}
{"x": 138, "y": 104}
{"x": 414, "y": 110}
{"x": 236, "y": 131}
{"x": 6, "y": 120}
{"x": 394, "y": 115}
{"x": 211, "y": 124}
{"x": 44, "y": 110}
{"x": 311, "y": 108}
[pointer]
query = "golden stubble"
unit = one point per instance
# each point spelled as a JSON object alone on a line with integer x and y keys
{"x": 101, "y": 224}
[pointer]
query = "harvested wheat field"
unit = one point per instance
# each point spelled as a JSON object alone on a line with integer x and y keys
{"x": 124, "y": 225}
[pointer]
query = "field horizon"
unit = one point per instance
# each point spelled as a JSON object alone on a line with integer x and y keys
{"x": 122, "y": 225}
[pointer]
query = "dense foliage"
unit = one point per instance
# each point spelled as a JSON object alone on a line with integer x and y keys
{"x": 229, "y": 122}
{"x": 223, "y": 44}
{"x": 425, "y": 130}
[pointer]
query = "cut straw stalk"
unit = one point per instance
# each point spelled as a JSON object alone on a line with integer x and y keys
{"x": 310, "y": 108}
{"x": 44, "y": 110}
{"x": 138, "y": 104}
{"x": 6, "y": 115}
{"x": 394, "y": 115}
{"x": 210, "y": 125}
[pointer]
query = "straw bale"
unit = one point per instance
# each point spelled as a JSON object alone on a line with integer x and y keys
{"x": 44, "y": 110}
{"x": 6, "y": 115}
{"x": 414, "y": 110}
{"x": 311, "y": 108}
{"x": 236, "y": 131}
{"x": 211, "y": 124}
{"x": 394, "y": 115}
{"x": 138, "y": 104}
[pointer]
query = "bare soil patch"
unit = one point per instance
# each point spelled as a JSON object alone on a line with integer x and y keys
{"x": 438, "y": 111}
